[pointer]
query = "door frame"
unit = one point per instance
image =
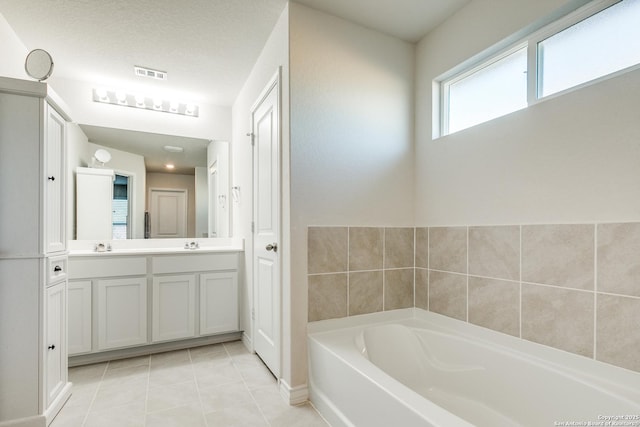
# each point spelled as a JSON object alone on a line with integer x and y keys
{"x": 274, "y": 82}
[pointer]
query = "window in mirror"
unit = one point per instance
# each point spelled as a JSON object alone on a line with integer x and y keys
{"x": 121, "y": 224}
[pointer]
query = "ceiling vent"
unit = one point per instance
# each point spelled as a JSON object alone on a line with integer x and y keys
{"x": 148, "y": 72}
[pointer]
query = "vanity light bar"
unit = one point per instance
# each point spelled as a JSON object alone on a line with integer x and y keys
{"x": 122, "y": 98}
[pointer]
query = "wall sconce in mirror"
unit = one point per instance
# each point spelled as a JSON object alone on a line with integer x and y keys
{"x": 235, "y": 193}
{"x": 125, "y": 99}
{"x": 222, "y": 200}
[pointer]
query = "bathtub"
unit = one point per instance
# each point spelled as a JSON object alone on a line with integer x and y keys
{"x": 416, "y": 368}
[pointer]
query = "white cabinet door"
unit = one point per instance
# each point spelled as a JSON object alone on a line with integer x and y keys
{"x": 55, "y": 174}
{"x": 94, "y": 203}
{"x": 55, "y": 374}
{"x": 122, "y": 312}
{"x": 79, "y": 316}
{"x": 218, "y": 302}
{"x": 174, "y": 303}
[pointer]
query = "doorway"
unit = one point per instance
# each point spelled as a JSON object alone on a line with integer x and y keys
{"x": 121, "y": 206}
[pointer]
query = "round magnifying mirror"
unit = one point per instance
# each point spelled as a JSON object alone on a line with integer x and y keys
{"x": 101, "y": 155}
{"x": 39, "y": 64}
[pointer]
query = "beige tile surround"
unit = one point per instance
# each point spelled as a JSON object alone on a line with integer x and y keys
{"x": 575, "y": 287}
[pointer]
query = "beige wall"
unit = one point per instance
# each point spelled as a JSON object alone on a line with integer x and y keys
{"x": 569, "y": 159}
{"x": 176, "y": 182}
{"x": 275, "y": 54}
{"x": 12, "y": 51}
{"x": 351, "y": 139}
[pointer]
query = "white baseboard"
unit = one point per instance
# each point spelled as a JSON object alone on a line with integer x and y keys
{"x": 246, "y": 340}
{"x": 36, "y": 421}
{"x": 294, "y": 395}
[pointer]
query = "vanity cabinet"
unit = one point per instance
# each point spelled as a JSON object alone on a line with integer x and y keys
{"x": 55, "y": 340}
{"x": 122, "y": 312}
{"x": 79, "y": 317}
{"x": 55, "y": 154}
{"x": 150, "y": 299}
{"x": 33, "y": 257}
{"x": 218, "y": 302}
{"x": 174, "y": 307}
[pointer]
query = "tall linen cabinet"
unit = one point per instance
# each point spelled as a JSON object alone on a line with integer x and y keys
{"x": 33, "y": 254}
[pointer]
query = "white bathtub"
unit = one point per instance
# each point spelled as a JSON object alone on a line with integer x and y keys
{"x": 415, "y": 368}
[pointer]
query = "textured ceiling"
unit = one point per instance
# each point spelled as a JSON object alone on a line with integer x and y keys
{"x": 207, "y": 47}
{"x": 408, "y": 20}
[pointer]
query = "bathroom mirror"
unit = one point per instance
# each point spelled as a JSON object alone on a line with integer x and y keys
{"x": 147, "y": 199}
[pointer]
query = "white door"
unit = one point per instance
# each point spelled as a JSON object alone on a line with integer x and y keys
{"x": 265, "y": 119}
{"x": 168, "y": 213}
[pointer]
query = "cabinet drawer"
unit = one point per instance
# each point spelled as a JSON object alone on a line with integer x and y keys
{"x": 56, "y": 269}
{"x": 93, "y": 267}
{"x": 192, "y": 262}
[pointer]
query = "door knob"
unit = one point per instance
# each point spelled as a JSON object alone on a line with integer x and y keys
{"x": 272, "y": 247}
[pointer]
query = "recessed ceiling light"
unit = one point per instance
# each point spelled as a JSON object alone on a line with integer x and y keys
{"x": 173, "y": 149}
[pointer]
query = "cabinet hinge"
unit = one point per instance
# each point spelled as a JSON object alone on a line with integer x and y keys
{"x": 253, "y": 139}
{"x": 253, "y": 314}
{"x": 253, "y": 227}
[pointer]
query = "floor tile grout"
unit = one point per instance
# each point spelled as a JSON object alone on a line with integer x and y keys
{"x": 252, "y": 385}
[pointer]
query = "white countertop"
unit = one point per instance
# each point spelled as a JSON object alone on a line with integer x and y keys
{"x": 154, "y": 246}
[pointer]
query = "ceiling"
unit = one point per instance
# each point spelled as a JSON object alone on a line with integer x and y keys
{"x": 207, "y": 47}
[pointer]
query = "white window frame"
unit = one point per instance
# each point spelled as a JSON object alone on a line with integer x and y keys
{"x": 444, "y": 99}
{"x": 531, "y": 41}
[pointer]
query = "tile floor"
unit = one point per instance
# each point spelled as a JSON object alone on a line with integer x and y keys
{"x": 220, "y": 385}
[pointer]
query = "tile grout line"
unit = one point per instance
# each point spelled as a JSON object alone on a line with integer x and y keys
{"x": 467, "y": 273}
{"x": 595, "y": 291}
{"x": 95, "y": 394}
{"x": 195, "y": 380}
{"x": 384, "y": 253}
{"x": 428, "y": 268}
{"x": 520, "y": 284}
{"x": 146, "y": 398}
{"x": 348, "y": 268}
{"x": 244, "y": 382}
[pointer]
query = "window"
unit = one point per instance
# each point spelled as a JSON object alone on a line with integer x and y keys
{"x": 493, "y": 90}
{"x": 590, "y": 44}
{"x": 602, "y": 44}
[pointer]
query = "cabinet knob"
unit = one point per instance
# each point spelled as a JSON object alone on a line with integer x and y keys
{"x": 52, "y": 178}
{"x": 57, "y": 268}
{"x": 51, "y": 347}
